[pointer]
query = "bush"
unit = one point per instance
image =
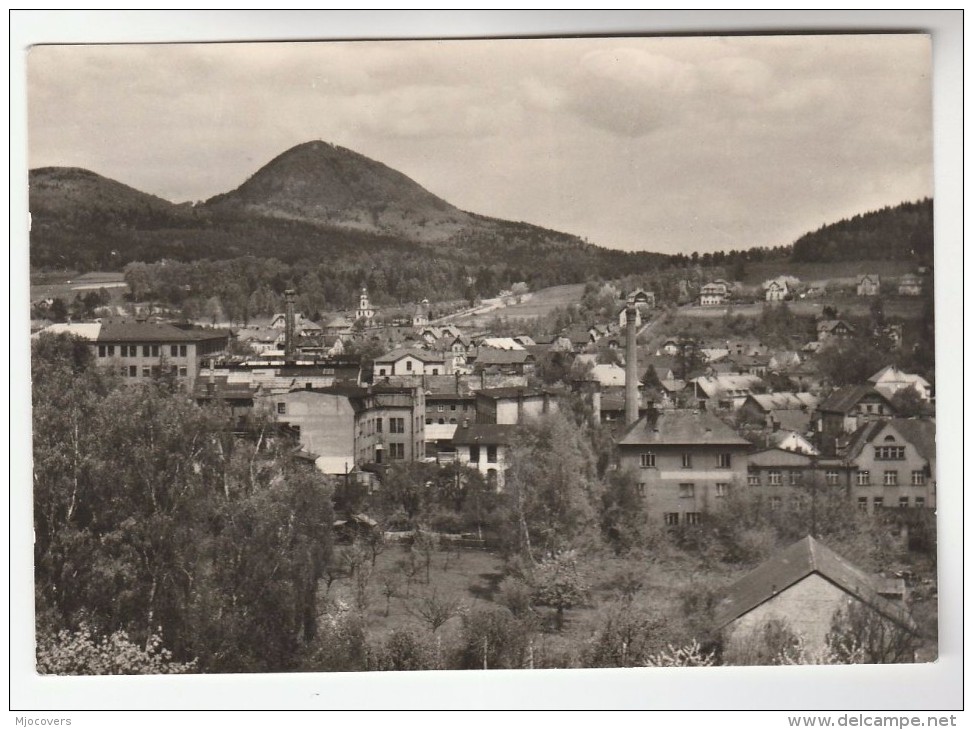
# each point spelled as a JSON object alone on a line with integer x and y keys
{"x": 407, "y": 651}
{"x": 494, "y": 638}
{"x": 82, "y": 653}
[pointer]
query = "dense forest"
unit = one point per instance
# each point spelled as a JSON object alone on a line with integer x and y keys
{"x": 903, "y": 232}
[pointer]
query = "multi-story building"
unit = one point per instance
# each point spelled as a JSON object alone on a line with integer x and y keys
{"x": 894, "y": 464}
{"x": 513, "y": 405}
{"x": 713, "y": 294}
{"x": 686, "y": 461}
{"x": 140, "y": 349}
{"x": 324, "y": 420}
{"x": 389, "y": 424}
{"x": 486, "y": 448}
{"x": 846, "y": 409}
{"x": 411, "y": 361}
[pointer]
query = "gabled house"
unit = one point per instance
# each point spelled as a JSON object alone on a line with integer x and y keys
{"x": 847, "y": 408}
{"x": 828, "y": 328}
{"x": 642, "y": 297}
{"x": 776, "y": 290}
{"x": 890, "y": 380}
{"x": 514, "y": 362}
{"x": 868, "y": 285}
{"x": 411, "y": 361}
{"x": 620, "y": 316}
{"x": 686, "y": 461}
{"x": 805, "y": 586}
{"x": 787, "y": 410}
{"x": 894, "y": 464}
{"x": 486, "y": 448}
{"x": 669, "y": 346}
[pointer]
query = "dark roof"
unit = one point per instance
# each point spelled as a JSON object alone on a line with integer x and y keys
{"x": 921, "y": 433}
{"x": 493, "y": 356}
{"x": 679, "y": 427}
{"x": 223, "y": 390}
{"x": 498, "y": 393}
{"x": 398, "y": 354}
{"x": 485, "y": 433}
{"x": 793, "y": 564}
{"x": 134, "y": 331}
{"x": 844, "y": 399}
{"x": 778, "y": 457}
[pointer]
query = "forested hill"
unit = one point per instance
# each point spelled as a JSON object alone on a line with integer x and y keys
{"x": 902, "y": 232}
{"x": 315, "y": 205}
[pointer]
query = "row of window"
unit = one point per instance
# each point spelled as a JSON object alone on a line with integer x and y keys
{"x": 147, "y": 351}
{"x": 442, "y": 421}
{"x": 880, "y": 502}
{"x": 890, "y": 453}
{"x": 723, "y": 461}
{"x": 408, "y": 368}
{"x": 689, "y": 518}
{"x": 863, "y": 478}
{"x": 890, "y": 478}
{"x": 132, "y": 371}
{"x": 452, "y": 406}
{"x": 376, "y": 425}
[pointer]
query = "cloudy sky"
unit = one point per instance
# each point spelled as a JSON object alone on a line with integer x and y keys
{"x": 664, "y": 144}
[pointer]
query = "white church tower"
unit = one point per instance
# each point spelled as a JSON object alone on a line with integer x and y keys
{"x": 364, "y": 308}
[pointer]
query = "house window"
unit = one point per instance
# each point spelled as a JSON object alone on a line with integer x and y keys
{"x": 723, "y": 461}
{"x": 381, "y": 371}
{"x": 671, "y": 519}
{"x": 890, "y": 453}
{"x": 692, "y": 518}
{"x": 396, "y": 425}
{"x": 793, "y": 477}
{"x": 891, "y": 479}
{"x": 863, "y": 504}
{"x": 378, "y": 425}
{"x": 435, "y": 371}
{"x": 452, "y": 406}
{"x": 920, "y": 501}
{"x": 133, "y": 371}
{"x": 282, "y": 408}
{"x": 475, "y": 454}
{"x": 722, "y": 489}
{"x": 378, "y": 454}
{"x": 877, "y": 502}
{"x": 183, "y": 372}
{"x": 440, "y": 408}
{"x": 863, "y": 478}
{"x": 753, "y": 480}
{"x": 442, "y": 421}
{"x": 428, "y": 421}
{"x": 687, "y": 490}
{"x": 182, "y": 351}
{"x": 903, "y": 502}
{"x": 174, "y": 350}
{"x": 146, "y": 372}
{"x": 111, "y": 351}
{"x": 396, "y": 451}
{"x": 647, "y": 460}
{"x": 775, "y": 478}
{"x": 408, "y": 365}
{"x": 146, "y": 350}
{"x": 155, "y": 350}
{"x": 775, "y": 503}
{"x": 918, "y": 478}
{"x": 491, "y": 454}
{"x": 101, "y": 350}
{"x": 687, "y": 461}
{"x": 832, "y": 476}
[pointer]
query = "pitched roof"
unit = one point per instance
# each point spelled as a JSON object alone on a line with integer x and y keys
{"x": 784, "y": 400}
{"x": 844, "y": 399}
{"x": 498, "y": 393}
{"x": 484, "y": 433}
{"x": 791, "y": 565}
{"x": 609, "y": 374}
{"x": 681, "y": 427}
{"x": 921, "y": 433}
{"x": 84, "y": 330}
{"x": 401, "y": 352}
{"x": 135, "y": 331}
{"x": 490, "y": 356}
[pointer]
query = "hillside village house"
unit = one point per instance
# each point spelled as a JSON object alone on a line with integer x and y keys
{"x": 894, "y": 464}
{"x": 868, "y": 285}
{"x": 777, "y": 290}
{"x": 803, "y": 586}
{"x": 141, "y": 349}
{"x": 890, "y": 380}
{"x": 713, "y": 294}
{"x": 723, "y": 391}
{"x": 910, "y": 285}
{"x": 828, "y": 328}
{"x": 512, "y": 362}
{"x": 686, "y": 462}
{"x": 847, "y": 408}
{"x": 782, "y": 409}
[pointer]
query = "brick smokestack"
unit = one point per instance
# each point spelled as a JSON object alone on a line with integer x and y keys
{"x": 289, "y": 296}
{"x": 631, "y": 367}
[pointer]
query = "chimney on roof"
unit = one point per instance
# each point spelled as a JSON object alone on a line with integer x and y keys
{"x": 631, "y": 367}
{"x": 289, "y": 296}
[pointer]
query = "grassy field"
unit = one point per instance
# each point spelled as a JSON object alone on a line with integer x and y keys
{"x": 472, "y": 579}
{"x": 67, "y": 285}
{"x": 538, "y": 304}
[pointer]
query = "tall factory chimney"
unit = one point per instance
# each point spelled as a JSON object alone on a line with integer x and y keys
{"x": 631, "y": 366}
{"x": 289, "y": 296}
